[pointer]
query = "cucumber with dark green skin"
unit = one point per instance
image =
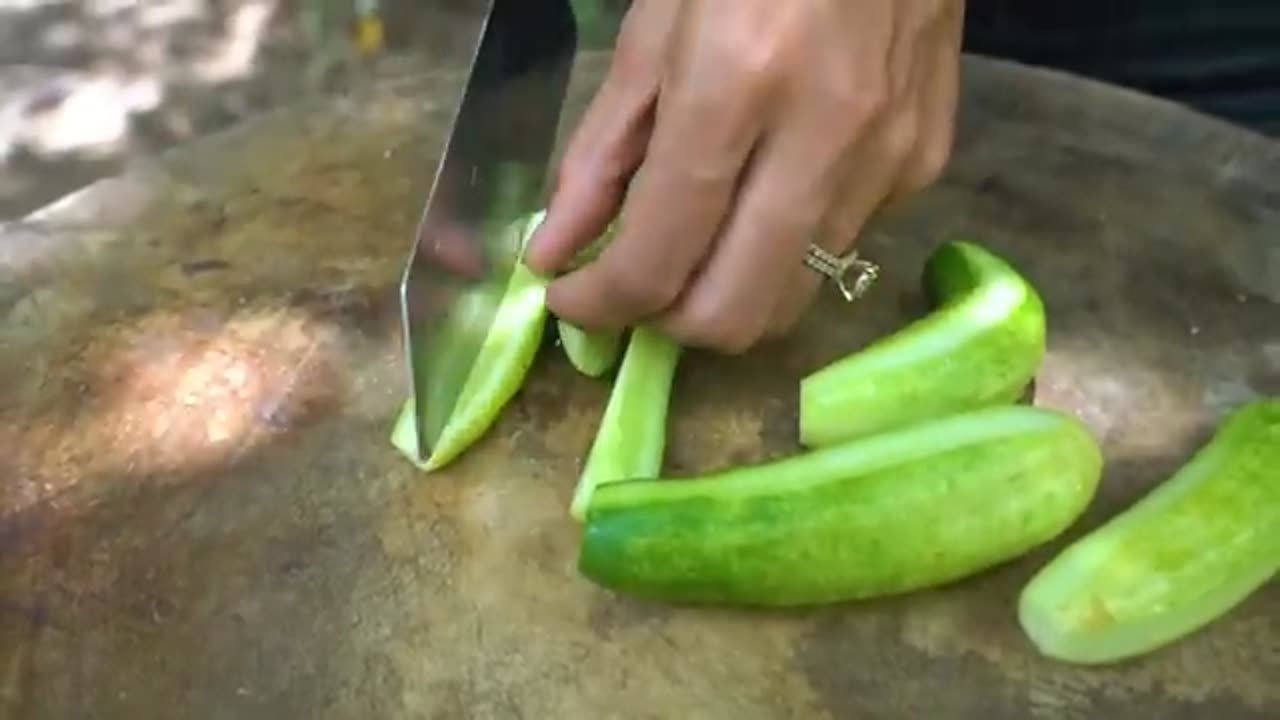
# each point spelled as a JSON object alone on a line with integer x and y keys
{"x": 1177, "y": 560}
{"x": 980, "y": 346}
{"x": 898, "y": 511}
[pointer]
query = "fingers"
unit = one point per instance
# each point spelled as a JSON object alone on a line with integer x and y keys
{"x": 592, "y": 178}
{"x": 756, "y": 274}
{"x": 869, "y": 179}
{"x": 707, "y": 124}
{"x": 608, "y": 144}
{"x": 935, "y": 99}
{"x": 910, "y": 146}
{"x": 877, "y": 168}
{"x": 728, "y": 305}
{"x": 839, "y": 234}
{"x": 750, "y": 135}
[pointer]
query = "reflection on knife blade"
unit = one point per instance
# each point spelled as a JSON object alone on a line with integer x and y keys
{"x": 492, "y": 173}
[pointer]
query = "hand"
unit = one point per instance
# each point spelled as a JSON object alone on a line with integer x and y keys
{"x": 738, "y": 132}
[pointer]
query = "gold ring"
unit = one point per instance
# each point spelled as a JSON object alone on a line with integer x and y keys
{"x": 837, "y": 268}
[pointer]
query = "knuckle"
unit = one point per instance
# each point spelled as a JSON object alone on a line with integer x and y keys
{"x": 900, "y": 139}
{"x": 863, "y": 101}
{"x": 738, "y": 337}
{"x": 783, "y": 323}
{"x": 754, "y": 69}
{"x": 719, "y": 328}
{"x": 753, "y": 55}
{"x": 577, "y": 162}
{"x": 627, "y": 59}
{"x": 644, "y": 291}
{"x": 934, "y": 160}
{"x": 585, "y": 168}
{"x": 842, "y": 93}
{"x": 929, "y": 163}
{"x": 736, "y": 343}
{"x": 831, "y": 162}
{"x": 632, "y": 68}
{"x": 635, "y": 52}
{"x": 734, "y": 97}
{"x": 627, "y": 65}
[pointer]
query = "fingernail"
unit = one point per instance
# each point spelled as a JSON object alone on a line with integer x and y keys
{"x": 534, "y": 254}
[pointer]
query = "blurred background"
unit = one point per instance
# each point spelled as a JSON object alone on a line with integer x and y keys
{"x": 87, "y": 86}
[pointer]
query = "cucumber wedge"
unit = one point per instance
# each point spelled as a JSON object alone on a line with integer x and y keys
{"x": 980, "y": 346}
{"x": 894, "y": 512}
{"x": 508, "y": 351}
{"x": 591, "y": 352}
{"x": 633, "y": 432}
{"x": 1178, "y": 559}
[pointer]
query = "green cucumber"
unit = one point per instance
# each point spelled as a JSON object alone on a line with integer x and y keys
{"x": 632, "y": 436}
{"x": 907, "y": 509}
{"x": 1178, "y": 559}
{"x": 508, "y": 351}
{"x": 592, "y": 251}
{"x": 980, "y": 346}
{"x": 591, "y": 352}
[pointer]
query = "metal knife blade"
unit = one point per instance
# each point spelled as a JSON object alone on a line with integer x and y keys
{"x": 491, "y": 173}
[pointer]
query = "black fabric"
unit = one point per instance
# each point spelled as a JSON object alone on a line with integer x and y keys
{"x": 1220, "y": 57}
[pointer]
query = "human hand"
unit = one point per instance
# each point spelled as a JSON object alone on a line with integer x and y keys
{"x": 732, "y": 134}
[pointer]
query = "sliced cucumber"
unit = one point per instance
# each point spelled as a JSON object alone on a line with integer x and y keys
{"x": 980, "y": 346}
{"x": 508, "y": 351}
{"x": 1181, "y": 557}
{"x": 632, "y": 436}
{"x": 591, "y": 352}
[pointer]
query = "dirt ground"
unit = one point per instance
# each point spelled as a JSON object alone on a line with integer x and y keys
{"x": 89, "y": 86}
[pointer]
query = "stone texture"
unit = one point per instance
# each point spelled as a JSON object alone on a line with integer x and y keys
{"x": 201, "y": 517}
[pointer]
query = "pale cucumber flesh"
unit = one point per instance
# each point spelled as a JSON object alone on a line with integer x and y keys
{"x": 591, "y": 352}
{"x": 980, "y": 346}
{"x": 631, "y": 440}
{"x": 507, "y": 352}
{"x": 1182, "y": 556}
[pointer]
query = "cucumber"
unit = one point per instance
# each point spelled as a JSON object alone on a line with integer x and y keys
{"x": 592, "y": 251}
{"x": 632, "y": 436}
{"x": 591, "y": 352}
{"x": 903, "y": 510}
{"x": 980, "y": 346}
{"x": 506, "y": 354}
{"x": 1178, "y": 559}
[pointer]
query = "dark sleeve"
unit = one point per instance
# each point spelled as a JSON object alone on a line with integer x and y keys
{"x": 1220, "y": 57}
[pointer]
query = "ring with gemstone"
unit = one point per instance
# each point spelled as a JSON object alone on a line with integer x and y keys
{"x": 838, "y": 268}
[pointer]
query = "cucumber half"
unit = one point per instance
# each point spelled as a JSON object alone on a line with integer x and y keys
{"x": 1182, "y": 556}
{"x": 980, "y": 346}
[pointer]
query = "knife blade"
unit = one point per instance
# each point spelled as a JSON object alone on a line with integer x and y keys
{"x": 491, "y": 173}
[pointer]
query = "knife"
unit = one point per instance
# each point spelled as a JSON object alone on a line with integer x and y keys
{"x": 492, "y": 172}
